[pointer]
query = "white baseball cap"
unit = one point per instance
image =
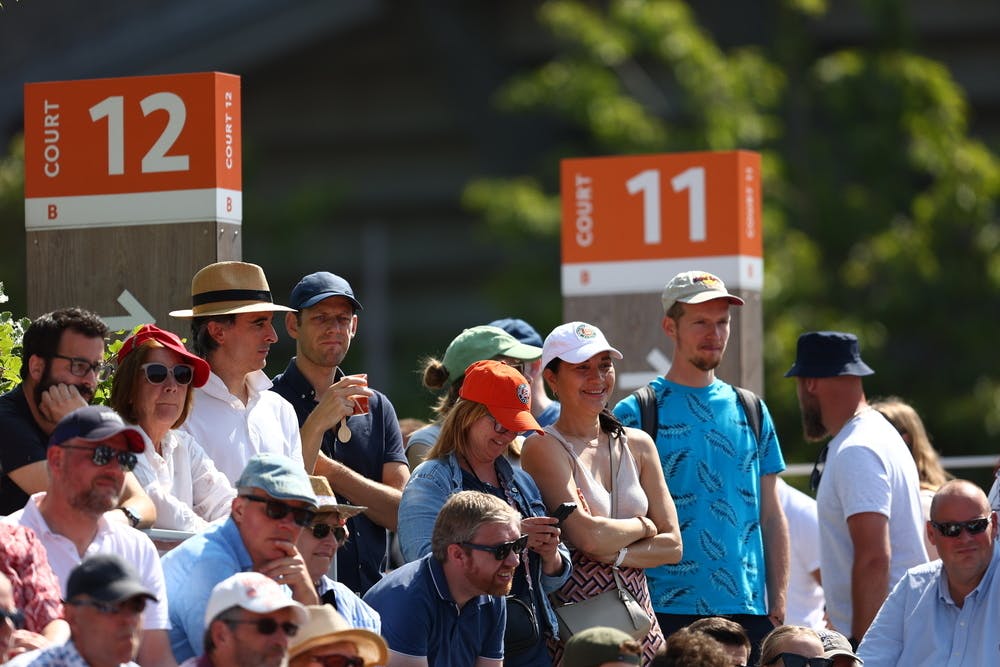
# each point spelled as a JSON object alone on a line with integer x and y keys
{"x": 254, "y": 592}
{"x": 575, "y": 342}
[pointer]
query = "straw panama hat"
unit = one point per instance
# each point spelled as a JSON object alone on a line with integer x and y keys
{"x": 228, "y": 288}
{"x": 327, "y": 626}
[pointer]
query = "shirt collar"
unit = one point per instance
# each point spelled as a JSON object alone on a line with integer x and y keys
{"x": 256, "y": 382}
{"x": 441, "y": 582}
{"x": 230, "y": 533}
{"x": 298, "y": 382}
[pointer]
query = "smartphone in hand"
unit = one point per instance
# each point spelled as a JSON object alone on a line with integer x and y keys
{"x": 564, "y": 510}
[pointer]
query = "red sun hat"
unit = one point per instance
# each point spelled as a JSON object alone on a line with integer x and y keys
{"x": 504, "y": 392}
{"x": 171, "y": 342}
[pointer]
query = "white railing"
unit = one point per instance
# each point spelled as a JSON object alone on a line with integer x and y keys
{"x": 949, "y": 463}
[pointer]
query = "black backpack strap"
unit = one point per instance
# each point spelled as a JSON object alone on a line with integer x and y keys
{"x": 753, "y": 408}
{"x": 646, "y": 398}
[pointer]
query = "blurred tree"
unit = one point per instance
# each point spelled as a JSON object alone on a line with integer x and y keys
{"x": 879, "y": 209}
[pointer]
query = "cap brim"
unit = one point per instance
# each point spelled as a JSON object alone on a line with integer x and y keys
{"x": 134, "y": 437}
{"x": 259, "y": 307}
{"x": 842, "y": 651}
{"x": 313, "y": 300}
{"x": 328, "y": 505}
{"x": 522, "y": 352}
{"x": 581, "y": 354}
{"x": 702, "y": 297}
{"x": 124, "y": 590}
{"x": 515, "y": 420}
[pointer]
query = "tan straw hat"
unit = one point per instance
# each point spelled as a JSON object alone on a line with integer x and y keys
{"x": 227, "y": 288}
{"x": 327, "y": 626}
{"x": 327, "y": 501}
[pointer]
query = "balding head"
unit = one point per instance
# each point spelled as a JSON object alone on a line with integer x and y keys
{"x": 959, "y": 488}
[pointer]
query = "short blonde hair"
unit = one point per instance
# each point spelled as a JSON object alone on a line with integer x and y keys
{"x": 462, "y": 515}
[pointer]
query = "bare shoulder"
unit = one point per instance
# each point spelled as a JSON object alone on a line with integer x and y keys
{"x": 543, "y": 452}
{"x": 639, "y": 442}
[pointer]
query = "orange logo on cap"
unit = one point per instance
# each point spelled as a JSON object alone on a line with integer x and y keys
{"x": 585, "y": 331}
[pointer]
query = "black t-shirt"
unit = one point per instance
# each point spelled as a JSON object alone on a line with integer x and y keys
{"x": 22, "y": 443}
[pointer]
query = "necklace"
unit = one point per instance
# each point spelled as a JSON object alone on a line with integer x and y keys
{"x": 473, "y": 471}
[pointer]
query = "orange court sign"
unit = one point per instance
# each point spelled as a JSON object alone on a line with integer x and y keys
{"x": 132, "y": 151}
{"x": 629, "y": 223}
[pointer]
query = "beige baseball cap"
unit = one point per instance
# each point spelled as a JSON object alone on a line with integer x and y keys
{"x": 696, "y": 287}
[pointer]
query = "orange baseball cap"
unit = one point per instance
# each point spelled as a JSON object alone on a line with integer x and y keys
{"x": 504, "y": 392}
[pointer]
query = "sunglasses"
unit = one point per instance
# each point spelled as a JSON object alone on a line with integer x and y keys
{"x": 321, "y": 530}
{"x": 156, "y": 373}
{"x": 954, "y": 528}
{"x": 82, "y": 367}
{"x": 134, "y": 605}
{"x": 338, "y": 660}
{"x": 502, "y": 550}
{"x": 268, "y": 626}
{"x": 275, "y": 509}
{"x": 103, "y": 455}
{"x": 15, "y": 616}
{"x": 796, "y": 660}
{"x": 498, "y": 427}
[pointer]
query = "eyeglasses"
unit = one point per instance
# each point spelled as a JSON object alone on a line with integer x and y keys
{"x": 275, "y": 509}
{"x": 103, "y": 455}
{"x": 15, "y": 616}
{"x": 268, "y": 626}
{"x": 518, "y": 366}
{"x": 81, "y": 367}
{"x": 498, "y": 427}
{"x": 338, "y": 660}
{"x": 156, "y": 373}
{"x": 134, "y": 605}
{"x": 502, "y": 550}
{"x": 321, "y": 530}
{"x": 954, "y": 528}
{"x": 796, "y": 660}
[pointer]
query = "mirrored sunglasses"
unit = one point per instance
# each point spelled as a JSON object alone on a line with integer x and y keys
{"x": 502, "y": 550}
{"x": 275, "y": 509}
{"x": 796, "y": 660}
{"x": 104, "y": 454}
{"x": 321, "y": 530}
{"x": 156, "y": 373}
{"x": 268, "y": 626}
{"x": 954, "y": 528}
{"x": 134, "y": 605}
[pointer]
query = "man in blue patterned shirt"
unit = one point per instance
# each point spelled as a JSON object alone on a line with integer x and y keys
{"x": 721, "y": 477}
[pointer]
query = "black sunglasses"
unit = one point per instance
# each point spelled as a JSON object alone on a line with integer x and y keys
{"x": 321, "y": 530}
{"x": 15, "y": 616}
{"x": 502, "y": 550}
{"x": 156, "y": 373}
{"x": 134, "y": 605}
{"x": 338, "y": 660}
{"x": 268, "y": 626}
{"x": 81, "y": 367}
{"x": 275, "y": 509}
{"x": 954, "y": 528}
{"x": 796, "y": 660}
{"x": 104, "y": 454}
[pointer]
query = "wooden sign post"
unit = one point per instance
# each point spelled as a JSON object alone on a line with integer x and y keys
{"x": 631, "y": 223}
{"x": 131, "y": 185}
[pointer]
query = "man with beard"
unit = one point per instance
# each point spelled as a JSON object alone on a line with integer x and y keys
{"x": 350, "y": 433}
{"x": 248, "y": 623}
{"x": 105, "y": 601}
{"x": 869, "y": 499}
{"x": 62, "y": 360}
{"x": 721, "y": 476}
{"x": 89, "y": 452}
{"x": 448, "y": 608}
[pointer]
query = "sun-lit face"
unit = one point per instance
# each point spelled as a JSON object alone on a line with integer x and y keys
{"x": 243, "y": 644}
{"x": 701, "y": 334}
{"x": 485, "y": 443}
{"x": 585, "y": 386}
{"x": 56, "y": 371}
{"x": 323, "y": 332}
{"x": 966, "y": 556}
{"x": 245, "y": 343}
{"x": 812, "y": 414}
{"x": 266, "y": 539}
{"x": 159, "y": 404}
{"x": 319, "y": 553}
{"x": 483, "y": 572}
{"x": 88, "y": 487}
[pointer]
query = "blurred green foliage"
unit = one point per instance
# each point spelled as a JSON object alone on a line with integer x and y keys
{"x": 879, "y": 208}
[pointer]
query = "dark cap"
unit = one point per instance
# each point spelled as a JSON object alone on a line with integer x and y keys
{"x": 321, "y": 285}
{"x": 519, "y": 329}
{"x": 824, "y": 354}
{"x": 105, "y": 577}
{"x": 96, "y": 423}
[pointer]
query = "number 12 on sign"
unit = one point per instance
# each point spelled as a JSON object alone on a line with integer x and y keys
{"x": 648, "y": 183}
{"x": 156, "y": 159}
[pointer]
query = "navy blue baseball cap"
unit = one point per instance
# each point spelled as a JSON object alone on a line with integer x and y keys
{"x": 321, "y": 285}
{"x": 825, "y": 354}
{"x": 519, "y": 329}
{"x": 96, "y": 423}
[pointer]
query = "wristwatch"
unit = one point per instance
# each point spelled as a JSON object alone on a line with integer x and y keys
{"x": 133, "y": 517}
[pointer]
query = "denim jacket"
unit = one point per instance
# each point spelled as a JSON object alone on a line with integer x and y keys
{"x": 430, "y": 486}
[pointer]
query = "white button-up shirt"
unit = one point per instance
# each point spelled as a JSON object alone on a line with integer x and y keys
{"x": 231, "y": 432}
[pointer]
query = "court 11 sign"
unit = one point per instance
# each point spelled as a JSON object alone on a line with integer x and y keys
{"x": 631, "y": 222}
{"x": 131, "y": 185}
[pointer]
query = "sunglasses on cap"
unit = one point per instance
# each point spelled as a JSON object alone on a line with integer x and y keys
{"x": 337, "y": 660}
{"x": 134, "y": 605}
{"x": 502, "y": 550}
{"x": 796, "y": 660}
{"x": 156, "y": 373}
{"x": 954, "y": 528}
{"x": 275, "y": 509}
{"x": 104, "y": 454}
{"x": 321, "y": 530}
{"x": 268, "y": 626}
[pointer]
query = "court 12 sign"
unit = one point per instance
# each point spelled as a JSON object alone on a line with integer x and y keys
{"x": 631, "y": 222}
{"x": 132, "y": 151}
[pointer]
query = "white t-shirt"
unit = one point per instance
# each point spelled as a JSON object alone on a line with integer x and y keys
{"x": 112, "y": 538}
{"x": 805, "y": 602}
{"x": 231, "y": 433}
{"x": 868, "y": 469}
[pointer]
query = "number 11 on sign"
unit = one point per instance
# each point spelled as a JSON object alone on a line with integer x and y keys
{"x": 648, "y": 183}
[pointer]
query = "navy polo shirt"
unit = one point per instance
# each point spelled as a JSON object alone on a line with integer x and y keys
{"x": 375, "y": 440}
{"x": 420, "y": 617}
{"x": 24, "y": 443}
